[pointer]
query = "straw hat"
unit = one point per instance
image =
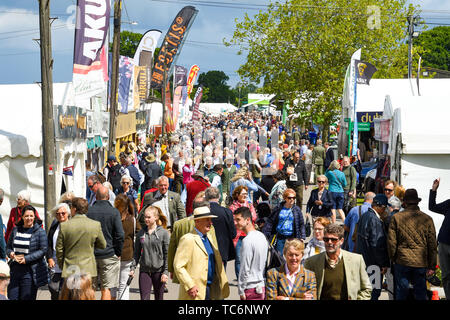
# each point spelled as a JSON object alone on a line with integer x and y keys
{"x": 202, "y": 213}
{"x": 150, "y": 158}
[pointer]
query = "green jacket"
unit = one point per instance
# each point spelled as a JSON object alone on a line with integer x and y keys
{"x": 75, "y": 245}
{"x": 318, "y": 155}
{"x": 350, "y": 176}
{"x": 179, "y": 229}
{"x": 226, "y": 177}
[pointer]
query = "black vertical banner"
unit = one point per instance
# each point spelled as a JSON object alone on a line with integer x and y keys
{"x": 172, "y": 43}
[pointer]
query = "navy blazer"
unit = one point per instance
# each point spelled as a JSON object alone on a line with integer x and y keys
{"x": 327, "y": 205}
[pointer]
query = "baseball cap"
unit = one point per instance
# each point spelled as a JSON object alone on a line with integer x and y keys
{"x": 112, "y": 157}
{"x": 381, "y": 200}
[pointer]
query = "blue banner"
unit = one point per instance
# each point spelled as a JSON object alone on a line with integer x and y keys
{"x": 125, "y": 74}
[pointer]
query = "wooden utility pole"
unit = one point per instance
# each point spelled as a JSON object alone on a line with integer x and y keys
{"x": 114, "y": 82}
{"x": 163, "y": 95}
{"x": 48, "y": 126}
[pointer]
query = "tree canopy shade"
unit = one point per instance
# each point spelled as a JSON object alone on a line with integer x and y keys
{"x": 304, "y": 47}
{"x": 215, "y": 81}
{"x": 436, "y": 47}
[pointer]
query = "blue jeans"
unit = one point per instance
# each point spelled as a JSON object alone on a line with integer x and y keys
{"x": 21, "y": 285}
{"x": 237, "y": 260}
{"x": 280, "y": 245}
{"x": 404, "y": 275}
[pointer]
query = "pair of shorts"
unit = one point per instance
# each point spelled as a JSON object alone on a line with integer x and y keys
{"x": 108, "y": 271}
{"x": 338, "y": 200}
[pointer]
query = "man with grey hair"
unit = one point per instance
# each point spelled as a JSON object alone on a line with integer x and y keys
{"x": 2, "y": 238}
{"x": 168, "y": 201}
{"x": 352, "y": 219}
{"x": 223, "y": 224}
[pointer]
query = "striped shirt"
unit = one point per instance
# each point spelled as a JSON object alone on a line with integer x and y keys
{"x": 21, "y": 242}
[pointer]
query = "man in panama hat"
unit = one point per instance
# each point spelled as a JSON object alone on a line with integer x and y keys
{"x": 198, "y": 263}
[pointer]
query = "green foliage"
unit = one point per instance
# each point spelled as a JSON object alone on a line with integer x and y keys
{"x": 129, "y": 42}
{"x": 215, "y": 81}
{"x": 436, "y": 47}
{"x": 304, "y": 47}
{"x": 241, "y": 91}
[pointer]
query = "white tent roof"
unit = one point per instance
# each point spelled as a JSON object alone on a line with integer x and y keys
{"x": 21, "y": 135}
{"x": 371, "y": 98}
{"x": 216, "y": 108}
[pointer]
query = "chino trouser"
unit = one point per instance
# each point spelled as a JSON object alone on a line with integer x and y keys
{"x": 444, "y": 263}
{"x": 299, "y": 195}
{"x": 318, "y": 171}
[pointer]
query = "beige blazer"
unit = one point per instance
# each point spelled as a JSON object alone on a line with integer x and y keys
{"x": 358, "y": 283}
{"x": 191, "y": 268}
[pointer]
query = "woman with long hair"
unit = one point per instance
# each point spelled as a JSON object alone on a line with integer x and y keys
{"x": 151, "y": 248}
{"x": 77, "y": 287}
{"x": 130, "y": 227}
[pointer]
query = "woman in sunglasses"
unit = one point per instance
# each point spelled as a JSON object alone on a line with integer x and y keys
{"x": 320, "y": 201}
{"x": 126, "y": 184}
{"x": 285, "y": 222}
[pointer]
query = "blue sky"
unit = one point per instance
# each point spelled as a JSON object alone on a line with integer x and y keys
{"x": 19, "y": 25}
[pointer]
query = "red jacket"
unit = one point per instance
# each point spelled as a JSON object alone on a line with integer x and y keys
{"x": 192, "y": 189}
{"x": 147, "y": 191}
{"x": 14, "y": 216}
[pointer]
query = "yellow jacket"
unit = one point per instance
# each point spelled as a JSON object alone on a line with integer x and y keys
{"x": 191, "y": 268}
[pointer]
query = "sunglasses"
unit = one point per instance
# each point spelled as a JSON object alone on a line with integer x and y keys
{"x": 125, "y": 183}
{"x": 61, "y": 213}
{"x": 291, "y": 198}
{"x": 320, "y": 181}
{"x": 334, "y": 240}
{"x": 388, "y": 190}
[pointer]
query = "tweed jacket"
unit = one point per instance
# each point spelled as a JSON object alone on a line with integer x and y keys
{"x": 412, "y": 239}
{"x": 191, "y": 265}
{"x": 358, "y": 283}
{"x": 277, "y": 284}
{"x": 179, "y": 229}
{"x": 75, "y": 245}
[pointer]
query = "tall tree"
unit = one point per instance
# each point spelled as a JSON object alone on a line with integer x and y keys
{"x": 303, "y": 47}
{"x": 436, "y": 47}
{"x": 219, "y": 91}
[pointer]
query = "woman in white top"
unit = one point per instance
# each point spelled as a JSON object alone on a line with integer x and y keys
{"x": 316, "y": 244}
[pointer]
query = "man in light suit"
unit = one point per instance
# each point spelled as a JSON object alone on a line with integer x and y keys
{"x": 168, "y": 201}
{"x": 341, "y": 275}
{"x": 198, "y": 264}
{"x": 76, "y": 241}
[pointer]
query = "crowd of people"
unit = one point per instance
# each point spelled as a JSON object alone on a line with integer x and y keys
{"x": 229, "y": 188}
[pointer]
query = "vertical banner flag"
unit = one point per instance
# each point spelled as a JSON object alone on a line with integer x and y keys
{"x": 350, "y": 91}
{"x": 176, "y": 105}
{"x": 196, "y": 109}
{"x": 143, "y": 58}
{"x": 126, "y": 68}
{"x": 173, "y": 41}
{"x": 180, "y": 76}
{"x": 169, "y": 113}
{"x": 90, "y": 66}
{"x": 191, "y": 78}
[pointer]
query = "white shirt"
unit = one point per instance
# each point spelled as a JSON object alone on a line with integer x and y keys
{"x": 217, "y": 181}
{"x": 291, "y": 277}
{"x": 163, "y": 204}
